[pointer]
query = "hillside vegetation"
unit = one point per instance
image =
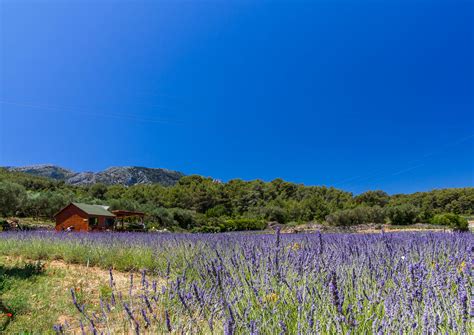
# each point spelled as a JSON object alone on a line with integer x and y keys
{"x": 197, "y": 203}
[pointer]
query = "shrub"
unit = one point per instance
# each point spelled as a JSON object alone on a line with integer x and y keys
{"x": 206, "y": 229}
{"x": 126, "y": 204}
{"x": 98, "y": 191}
{"x": 355, "y": 216}
{"x": 163, "y": 216}
{"x": 217, "y": 211}
{"x": 184, "y": 218}
{"x": 216, "y": 225}
{"x": 244, "y": 224}
{"x": 373, "y": 198}
{"x": 275, "y": 213}
{"x": 452, "y": 220}
{"x": 208, "y": 225}
{"x": 3, "y": 225}
{"x": 376, "y": 214}
{"x": 12, "y": 197}
{"x": 405, "y": 214}
{"x": 45, "y": 204}
{"x": 349, "y": 217}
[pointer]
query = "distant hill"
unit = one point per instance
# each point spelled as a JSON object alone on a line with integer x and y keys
{"x": 126, "y": 175}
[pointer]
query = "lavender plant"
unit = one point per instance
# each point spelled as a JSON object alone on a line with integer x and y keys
{"x": 405, "y": 283}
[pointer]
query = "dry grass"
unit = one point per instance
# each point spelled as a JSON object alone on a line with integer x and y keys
{"x": 39, "y": 301}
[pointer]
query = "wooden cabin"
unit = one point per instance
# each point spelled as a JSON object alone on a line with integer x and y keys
{"x": 83, "y": 217}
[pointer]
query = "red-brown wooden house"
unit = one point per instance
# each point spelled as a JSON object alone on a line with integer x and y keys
{"x": 83, "y": 217}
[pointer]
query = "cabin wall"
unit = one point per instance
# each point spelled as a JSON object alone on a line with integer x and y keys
{"x": 72, "y": 217}
{"x": 100, "y": 223}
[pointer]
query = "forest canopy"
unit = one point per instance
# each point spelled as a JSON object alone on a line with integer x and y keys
{"x": 203, "y": 204}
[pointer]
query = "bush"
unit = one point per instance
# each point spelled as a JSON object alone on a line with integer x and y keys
{"x": 184, "y": 218}
{"x": 45, "y": 204}
{"x": 126, "y": 204}
{"x": 12, "y": 197}
{"x": 3, "y": 225}
{"x": 373, "y": 198}
{"x": 161, "y": 216}
{"x": 405, "y": 214}
{"x": 356, "y": 216}
{"x": 452, "y": 220}
{"x": 376, "y": 214}
{"x": 244, "y": 224}
{"x": 349, "y": 217}
{"x": 208, "y": 225}
{"x": 98, "y": 191}
{"x": 206, "y": 229}
{"x": 216, "y": 225}
{"x": 275, "y": 213}
{"x": 217, "y": 211}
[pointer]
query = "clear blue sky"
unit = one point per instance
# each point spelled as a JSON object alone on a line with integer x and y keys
{"x": 356, "y": 94}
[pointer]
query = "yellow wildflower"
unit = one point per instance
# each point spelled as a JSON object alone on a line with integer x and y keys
{"x": 296, "y": 246}
{"x": 271, "y": 297}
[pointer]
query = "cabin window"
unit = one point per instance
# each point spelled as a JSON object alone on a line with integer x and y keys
{"x": 93, "y": 222}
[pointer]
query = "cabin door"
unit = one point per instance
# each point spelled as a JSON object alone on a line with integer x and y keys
{"x": 93, "y": 223}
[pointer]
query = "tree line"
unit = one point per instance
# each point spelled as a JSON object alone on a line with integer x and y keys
{"x": 198, "y": 203}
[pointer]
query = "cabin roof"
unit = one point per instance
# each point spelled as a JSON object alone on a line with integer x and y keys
{"x": 120, "y": 213}
{"x": 96, "y": 210}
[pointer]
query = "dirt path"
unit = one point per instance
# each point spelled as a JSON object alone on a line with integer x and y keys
{"x": 37, "y": 301}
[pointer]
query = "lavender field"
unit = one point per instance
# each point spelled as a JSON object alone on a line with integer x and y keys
{"x": 404, "y": 283}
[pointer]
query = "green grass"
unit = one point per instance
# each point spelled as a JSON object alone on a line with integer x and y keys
{"x": 38, "y": 295}
{"x": 37, "y": 222}
{"x": 26, "y": 292}
{"x": 116, "y": 255}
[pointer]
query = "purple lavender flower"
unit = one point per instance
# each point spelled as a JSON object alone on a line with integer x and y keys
{"x": 168, "y": 322}
{"x": 336, "y": 299}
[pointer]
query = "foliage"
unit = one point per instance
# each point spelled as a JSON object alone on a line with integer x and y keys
{"x": 196, "y": 202}
{"x": 217, "y": 211}
{"x": 402, "y": 214}
{"x": 451, "y": 200}
{"x": 12, "y": 198}
{"x": 356, "y": 216}
{"x": 98, "y": 191}
{"x": 45, "y": 204}
{"x": 373, "y": 198}
{"x": 123, "y": 203}
{"x": 275, "y": 213}
{"x": 244, "y": 224}
{"x": 452, "y": 220}
{"x": 219, "y": 225}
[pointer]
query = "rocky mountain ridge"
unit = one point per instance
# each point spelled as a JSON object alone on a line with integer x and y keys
{"x": 123, "y": 175}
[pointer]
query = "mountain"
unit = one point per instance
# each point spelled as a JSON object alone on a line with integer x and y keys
{"x": 125, "y": 175}
{"x": 44, "y": 170}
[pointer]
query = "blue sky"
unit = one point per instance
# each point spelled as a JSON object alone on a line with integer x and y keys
{"x": 355, "y": 94}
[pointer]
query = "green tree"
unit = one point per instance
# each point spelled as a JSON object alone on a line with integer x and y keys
{"x": 372, "y": 198}
{"x": 12, "y": 198}
{"x": 349, "y": 217}
{"x": 452, "y": 220}
{"x": 275, "y": 213}
{"x": 126, "y": 204}
{"x": 405, "y": 214}
{"x": 184, "y": 218}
